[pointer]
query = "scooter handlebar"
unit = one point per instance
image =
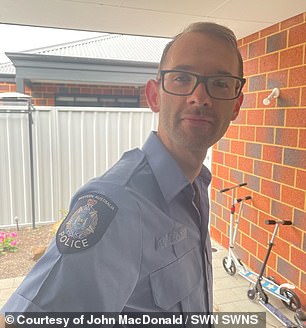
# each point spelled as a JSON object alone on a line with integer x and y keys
{"x": 239, "y": 200}
{"x": 237, "y": 186}
{"x": 283, "y": 222}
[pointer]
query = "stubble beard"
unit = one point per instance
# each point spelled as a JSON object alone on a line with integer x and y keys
{"x": 180, "y": 137}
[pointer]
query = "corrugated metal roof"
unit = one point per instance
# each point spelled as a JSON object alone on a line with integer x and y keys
{"x": 7, "y": 68}
{"x": 106, "y": 46}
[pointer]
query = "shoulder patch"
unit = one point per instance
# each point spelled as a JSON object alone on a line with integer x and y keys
{"x": 86, "y": 223}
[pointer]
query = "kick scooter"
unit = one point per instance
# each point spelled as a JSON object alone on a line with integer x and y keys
{"x": 230, "y": 263}
{"x": 288, "y": 297}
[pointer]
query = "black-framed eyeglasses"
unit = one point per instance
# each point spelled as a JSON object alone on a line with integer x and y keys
{"x": 181, "y": 83}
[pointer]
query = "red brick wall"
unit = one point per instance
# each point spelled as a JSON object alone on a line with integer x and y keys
{"x": 7, "y": 87}
{"x": 44, "y": 93}
{"x": 142, "y": 99}
{"x": 266, "y": 147}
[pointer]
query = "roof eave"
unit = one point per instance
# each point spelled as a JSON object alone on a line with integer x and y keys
{"x": 36, "y": 67}
{"x": 8, "y": 78}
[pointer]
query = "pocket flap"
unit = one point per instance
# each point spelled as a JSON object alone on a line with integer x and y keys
{"x": 174, "y": 282}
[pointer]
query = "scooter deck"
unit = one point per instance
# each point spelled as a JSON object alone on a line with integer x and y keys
{"x": 267, "y": 285}
{"x": 278, "y": 315}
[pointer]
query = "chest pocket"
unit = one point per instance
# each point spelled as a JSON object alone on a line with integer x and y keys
{"x": 173, "y": 283}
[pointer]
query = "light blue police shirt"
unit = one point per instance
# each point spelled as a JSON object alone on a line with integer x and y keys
{"x": 133, "y": 241}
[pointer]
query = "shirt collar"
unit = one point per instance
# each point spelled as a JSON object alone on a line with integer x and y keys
{"x": 205, "y": 176}
{"x": 169, "y": 175}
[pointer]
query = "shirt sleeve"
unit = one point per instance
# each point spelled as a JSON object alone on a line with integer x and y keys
{"x": 93, "y": 263}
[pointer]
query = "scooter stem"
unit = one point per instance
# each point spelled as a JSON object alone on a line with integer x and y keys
{"x": 268, "y": 251}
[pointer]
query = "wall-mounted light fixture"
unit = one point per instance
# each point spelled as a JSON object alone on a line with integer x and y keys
{"x": 274, "y": 94}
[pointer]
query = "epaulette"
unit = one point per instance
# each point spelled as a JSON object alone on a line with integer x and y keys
{"x": 122, "y": 171}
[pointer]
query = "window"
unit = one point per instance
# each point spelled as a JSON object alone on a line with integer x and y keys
{"x": 97, "y": 101}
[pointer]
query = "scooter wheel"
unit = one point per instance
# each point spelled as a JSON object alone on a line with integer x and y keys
{"x": 251, "y": 294}
{"x": 230, "y": 270}
{"x": 294, "y": 302}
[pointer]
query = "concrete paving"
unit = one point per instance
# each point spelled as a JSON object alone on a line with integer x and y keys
{"x": 230, "y": 292}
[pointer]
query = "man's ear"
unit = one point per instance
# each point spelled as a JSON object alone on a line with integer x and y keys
{"x": 237, "y": 107}
{"x": 152, "y": 95}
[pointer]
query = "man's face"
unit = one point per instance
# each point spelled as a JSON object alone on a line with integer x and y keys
{"x": 196, "y": 121}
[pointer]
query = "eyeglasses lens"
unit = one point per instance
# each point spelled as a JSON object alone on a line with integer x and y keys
{"x": 183, "y": 83}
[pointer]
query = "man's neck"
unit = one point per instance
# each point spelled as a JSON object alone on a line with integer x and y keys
{"x": 190, "y": 161}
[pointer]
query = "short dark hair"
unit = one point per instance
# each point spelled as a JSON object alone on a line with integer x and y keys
{"x": 212, "y": 29}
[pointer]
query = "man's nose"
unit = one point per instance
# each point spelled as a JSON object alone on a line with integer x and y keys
{"x": 200, "y": 95}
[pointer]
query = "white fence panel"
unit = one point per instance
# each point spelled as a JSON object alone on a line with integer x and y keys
{"x": 14, "y": 166}
{"x": 71, "y": 145}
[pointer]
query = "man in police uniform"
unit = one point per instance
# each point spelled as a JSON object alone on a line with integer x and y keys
{"x": 136, "y": 238}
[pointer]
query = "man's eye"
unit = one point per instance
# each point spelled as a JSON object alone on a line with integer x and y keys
{"x": 221, "y": 83}
{"x": 182, "y": 78}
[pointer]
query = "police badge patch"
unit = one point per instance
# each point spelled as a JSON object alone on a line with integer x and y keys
{"x": 86, "y": 223}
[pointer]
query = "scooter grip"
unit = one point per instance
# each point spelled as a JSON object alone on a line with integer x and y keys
{"x": 270, "y": 222}
{"x": 286, "y": 222}
{"x": 239, "y": 200}
{"x": 243, "y": 184}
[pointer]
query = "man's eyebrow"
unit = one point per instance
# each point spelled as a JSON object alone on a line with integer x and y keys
{"x": 224, "y": 73}
{"x": 184, "y": 68}
{"x": 191, "y": 69}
